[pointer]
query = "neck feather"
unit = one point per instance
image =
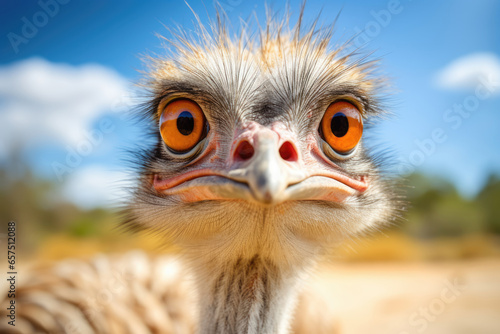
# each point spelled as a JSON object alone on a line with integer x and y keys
{"x": 247, "y": 295}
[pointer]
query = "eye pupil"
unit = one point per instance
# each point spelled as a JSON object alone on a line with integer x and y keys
{"x": 185, "y": 123}
{"x": 339, "y": 124}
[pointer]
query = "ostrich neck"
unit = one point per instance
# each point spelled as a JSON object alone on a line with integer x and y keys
{"x": 247, "y": 296}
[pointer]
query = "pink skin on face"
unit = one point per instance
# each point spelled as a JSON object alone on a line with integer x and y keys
{"x": 311, "y": 163}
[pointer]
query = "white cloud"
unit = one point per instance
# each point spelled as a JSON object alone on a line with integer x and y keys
{"x": 467, "y": 72}
{"x": 97, "y": 186}
{"x": 47, "y": 104}
{"x": 44, "y": 102}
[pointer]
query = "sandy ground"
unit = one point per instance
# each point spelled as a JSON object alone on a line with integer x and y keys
{"x": 401, "y": 298}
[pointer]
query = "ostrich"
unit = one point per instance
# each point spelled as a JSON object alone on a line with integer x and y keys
{"x": 258, "y": 166}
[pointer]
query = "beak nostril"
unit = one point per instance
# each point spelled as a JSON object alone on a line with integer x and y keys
{"x": 288, "y": 152}
{"x": 244, "y": 151}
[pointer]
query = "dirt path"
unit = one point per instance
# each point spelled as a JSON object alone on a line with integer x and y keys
{"x": 431, "y": 298}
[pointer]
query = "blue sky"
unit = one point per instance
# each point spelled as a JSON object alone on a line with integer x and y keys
{"x": 433, "y": 51}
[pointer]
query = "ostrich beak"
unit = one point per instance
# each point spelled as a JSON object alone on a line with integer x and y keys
{"x": 271, "y": 168}
{"x": 265, "y": 167}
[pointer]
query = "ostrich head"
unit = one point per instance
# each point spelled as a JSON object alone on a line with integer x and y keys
{"x": 258, "y": 165}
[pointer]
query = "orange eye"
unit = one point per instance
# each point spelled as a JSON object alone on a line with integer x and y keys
{"x": 182, "y": 125}
{"x": 342, "y": 126}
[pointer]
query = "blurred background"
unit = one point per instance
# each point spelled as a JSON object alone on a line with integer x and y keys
{"x": 67, "y": 74}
